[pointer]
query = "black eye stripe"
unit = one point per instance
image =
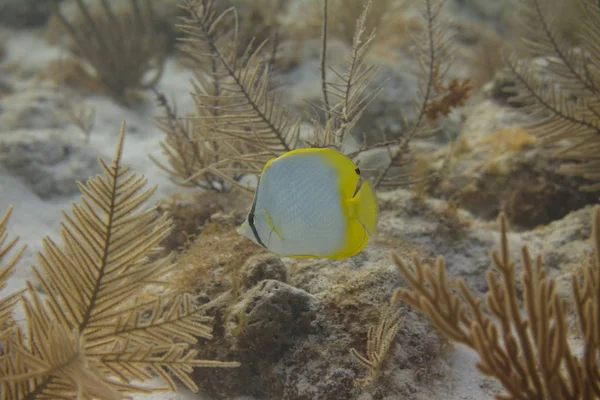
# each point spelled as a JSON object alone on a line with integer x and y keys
{"x": 254, "y": 230}
{"x": 251, "y": 217}
{"x": 357, "y": 170}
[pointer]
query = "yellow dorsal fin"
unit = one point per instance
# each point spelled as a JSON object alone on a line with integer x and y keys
{"x": 268, "y": 163}
{"x": 347, "y": 170}
{"x": 364, "y": 207}
{"x": 355, "y": 241}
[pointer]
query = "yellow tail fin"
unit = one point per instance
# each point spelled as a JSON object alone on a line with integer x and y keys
{"x": 365, "y": 207}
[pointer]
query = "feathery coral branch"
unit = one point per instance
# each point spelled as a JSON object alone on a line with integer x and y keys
{"x": 566, "y": 104}
{"x": 433, "y": 97}
{"x": 6, "y": 271}
{"x": 95, "y": 330}
{"x": 379, "y": 341}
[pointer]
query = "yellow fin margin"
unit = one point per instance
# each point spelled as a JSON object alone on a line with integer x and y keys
{"x": 362, "y": 214}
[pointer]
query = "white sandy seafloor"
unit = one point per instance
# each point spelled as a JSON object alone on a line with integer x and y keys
{"x": 34, "y": 218}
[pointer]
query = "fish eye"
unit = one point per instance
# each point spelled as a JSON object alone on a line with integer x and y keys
{"x": 357, "y": 170}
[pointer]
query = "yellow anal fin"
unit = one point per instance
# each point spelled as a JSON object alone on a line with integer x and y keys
{"x": 270, "y": 222}
{"x": 362, "y": 213}
{"x": 356, "y": 239}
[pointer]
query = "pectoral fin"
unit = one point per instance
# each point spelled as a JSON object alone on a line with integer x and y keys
{"x": 365, "y": 207}
{"x": 270, "y": 222}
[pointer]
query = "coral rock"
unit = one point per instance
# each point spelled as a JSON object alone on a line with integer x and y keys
{"x": 47, "y": 162}
{"x": 262, "y": 267}
{"x": 499, "y": 166}
{"x": 276, "y": 314}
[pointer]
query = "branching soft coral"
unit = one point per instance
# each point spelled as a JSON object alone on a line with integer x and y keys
{"x": 240, "y": 122}
{"x": 434, "y": 97}
{"x": 528, "y": 352}
{"x": 380, "y": 339}
{"x": 566, "y": 103}
{"x": 121, "y": 47}
{"x": 99, "y": 326}
{"x": 6, "y": 271}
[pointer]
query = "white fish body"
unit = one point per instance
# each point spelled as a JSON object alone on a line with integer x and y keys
{"x": 298, "y": 209}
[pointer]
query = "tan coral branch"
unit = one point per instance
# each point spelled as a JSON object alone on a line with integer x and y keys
{"x": 528, "y": 352}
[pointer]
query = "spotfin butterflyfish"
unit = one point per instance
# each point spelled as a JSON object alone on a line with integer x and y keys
{"x": 312, "y": 203}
